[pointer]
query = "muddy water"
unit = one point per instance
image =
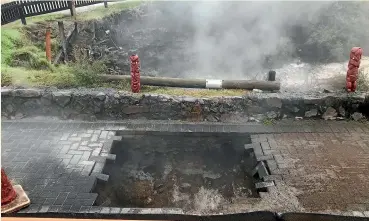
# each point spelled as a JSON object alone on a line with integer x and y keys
{"x": 312, "y": 77}
{"x": 196, "y": 173}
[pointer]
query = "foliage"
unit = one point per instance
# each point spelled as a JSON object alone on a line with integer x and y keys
{"x": 29, "y": 56}
{"x": 6, "y": 79}
{"x": 269, "y": 122}
{"x": 10, "y": 40}
{"x": 363, "y": 80}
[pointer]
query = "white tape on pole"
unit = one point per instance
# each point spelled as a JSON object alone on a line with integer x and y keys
{"x": 214, "y": 84}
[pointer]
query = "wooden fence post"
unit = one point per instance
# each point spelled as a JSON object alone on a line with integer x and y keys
{"x": 105, "y": 3}
{"x": 271, "y": 75}
{"x": 72, "y": 8}
{"x": 63, "y": 40}
{"x": 21, "y": 13}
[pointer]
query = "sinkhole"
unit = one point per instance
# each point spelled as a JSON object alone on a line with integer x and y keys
{"x": 191, "y": 171}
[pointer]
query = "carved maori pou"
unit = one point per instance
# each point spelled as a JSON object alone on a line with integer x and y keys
{"x": 353, "y": 69}
{"x": 135, "y": 74}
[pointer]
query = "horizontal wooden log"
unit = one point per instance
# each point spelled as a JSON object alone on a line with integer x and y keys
{"x": 198, "y": 83}
{"x": 251, "y": 84}
{"x": 160, "y": 81}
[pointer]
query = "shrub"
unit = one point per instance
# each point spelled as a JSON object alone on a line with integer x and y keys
{"x": 87, "y": 74}
{"x": 86, "y": 70}
{"x": 29, "y": 57}
{"x": 6, "y": 79}
{"x": 363, "y": 80}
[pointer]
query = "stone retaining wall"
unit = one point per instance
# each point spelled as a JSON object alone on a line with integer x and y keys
{"x": 109, "y": 104}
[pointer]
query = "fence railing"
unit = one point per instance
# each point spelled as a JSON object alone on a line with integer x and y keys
{"x": 22, "y": 9}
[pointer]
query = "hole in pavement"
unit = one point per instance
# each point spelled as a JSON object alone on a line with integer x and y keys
{"x": 192, "y": 171}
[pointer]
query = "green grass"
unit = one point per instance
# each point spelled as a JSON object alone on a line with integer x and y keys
{"x": 10, "y": 39}
{"x": 22, "y": 59}
{"x": 125, "y": 86}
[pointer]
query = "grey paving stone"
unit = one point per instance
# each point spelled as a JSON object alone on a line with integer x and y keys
{"x": 266, "y": 184}
{"x": 75, "y": 208}
{"x": 65, "y": 208}
{"x": 264, "y": 157}
{"x": 105, "y": 210}
{"x": 34, "y": 208}
{"x": 358, "y": 213}
{"x": 44, "y": 209}
{"x": 95, "y": 209}
{"x": 102, "y": 177}
{"x": 115, "y": 210}
{"x": 61, "y": 198}
{"x": 366, "y": 213}
{"x": 260, "y": 170}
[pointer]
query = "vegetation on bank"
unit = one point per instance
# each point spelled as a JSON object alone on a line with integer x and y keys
{"x": 23, "y": 58}
{"x": 363, "y": 80}
{"x": 24, "y": 63}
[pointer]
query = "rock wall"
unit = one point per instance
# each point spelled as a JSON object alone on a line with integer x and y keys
{"x": 109, "y": 104}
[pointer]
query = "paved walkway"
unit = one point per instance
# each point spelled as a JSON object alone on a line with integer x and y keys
{"x": 320, "y": 171}
{"x": 57, "y": 162}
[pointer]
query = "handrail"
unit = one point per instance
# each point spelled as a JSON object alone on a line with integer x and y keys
{"x": 21, "y": 9}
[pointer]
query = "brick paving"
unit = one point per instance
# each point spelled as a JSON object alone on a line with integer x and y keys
{"x": 57, "y": 163}
{"x": 330, "y": 169}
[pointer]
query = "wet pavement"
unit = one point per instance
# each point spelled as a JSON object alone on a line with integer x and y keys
{"x": 325, "y": 164}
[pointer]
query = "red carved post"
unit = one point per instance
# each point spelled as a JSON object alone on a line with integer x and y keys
{"x": 135, "y": 74}
{"x": 8, "y": 193}
{"x": 353, "y": 69}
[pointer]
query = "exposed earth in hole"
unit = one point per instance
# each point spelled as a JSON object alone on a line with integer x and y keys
{"x": 179, "y": 39}
{"x": 198, "y": 172}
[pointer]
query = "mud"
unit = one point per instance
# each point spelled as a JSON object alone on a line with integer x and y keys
{"x": 198, "y": 173}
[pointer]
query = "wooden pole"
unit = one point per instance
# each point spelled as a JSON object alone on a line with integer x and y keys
{"x": 199, "y": 83}
{"x": 105, "y": 3}
{"x": 271, "y": 75}
{"x": 63, "y": 40}
{"x": 251, "y": 84}
{"x": 73, "y": 9}
{"x": 156, "y": 81}
{"x": 48, "y": 43}
{"x": 21, "y": 13}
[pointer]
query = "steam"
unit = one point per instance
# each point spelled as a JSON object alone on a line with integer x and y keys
{"x": 223, "y": 39}
{"x": 245, "y": 33}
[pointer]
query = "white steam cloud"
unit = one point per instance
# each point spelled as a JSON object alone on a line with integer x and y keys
{"x": 224, "y": 39}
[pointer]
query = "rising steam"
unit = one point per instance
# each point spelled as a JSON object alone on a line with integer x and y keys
{"x": 242, "y": 40}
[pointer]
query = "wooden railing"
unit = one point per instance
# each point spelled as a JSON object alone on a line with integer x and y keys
{"x": 22, "y": 9}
